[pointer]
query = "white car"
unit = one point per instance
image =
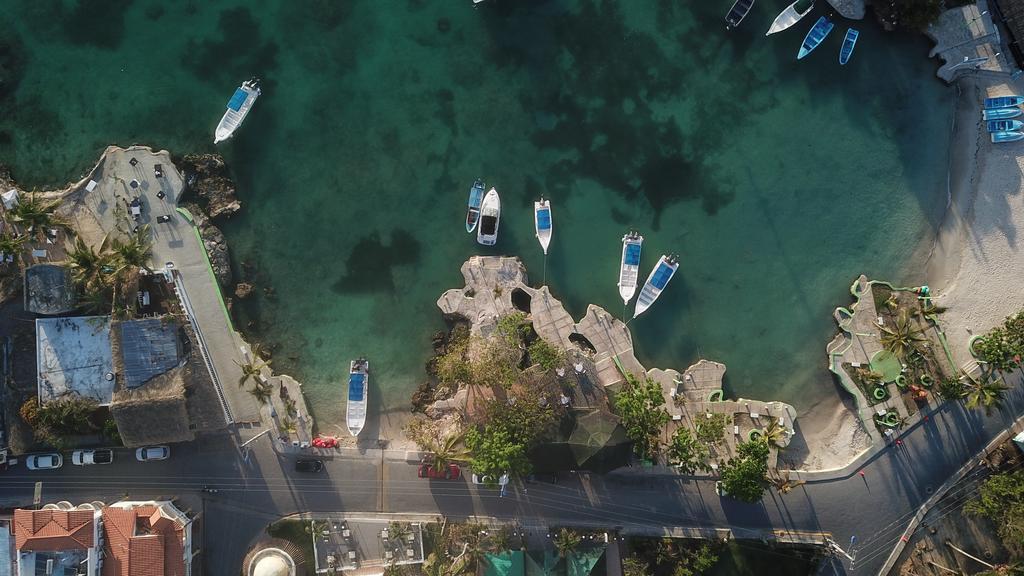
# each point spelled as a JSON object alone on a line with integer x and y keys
{"x": 152, "y": 453}
{"x": 89, "y": 457}
{"x": 44, "y": 462}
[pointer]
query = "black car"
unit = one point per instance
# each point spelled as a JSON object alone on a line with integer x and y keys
{"x": 309, "y": 466}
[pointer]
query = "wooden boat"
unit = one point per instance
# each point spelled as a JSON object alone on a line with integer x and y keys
{"x": 1000, "y": 113}
{"x": 1003, "y": 102}
{"x": 629, "y": 269}
{"x": 358, "y": 383}
{"x": 542, "y": 223}
{"x": 238, "y": 108}
{"x": 476, "y": 197}
{"x": 656, "y": 282}
{"x": 814, "y": 36}
{"x": 791, "y": 15}
{"x": 1007, "y": 136}
{"x": 849, "y": 43}
{"x": 490, "y": 218}
{"x": 1004, "y": 125}
{"x": 739, "y": 11}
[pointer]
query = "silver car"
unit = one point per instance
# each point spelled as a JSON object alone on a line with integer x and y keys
{"x": 149, "y": 453}
{"x": 44, "y": 462}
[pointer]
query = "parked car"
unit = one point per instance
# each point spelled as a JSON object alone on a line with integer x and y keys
{"x": 44, "y": 462}
{"x": 309, "y": 466}
{"x": 451, "y": 472}
{"x": 88, "y": 457}
{"x": 149, "y": 453}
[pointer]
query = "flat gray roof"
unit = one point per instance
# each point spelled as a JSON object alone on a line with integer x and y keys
{"x": 73, "y": 356}
{"x": 148, "y": 348}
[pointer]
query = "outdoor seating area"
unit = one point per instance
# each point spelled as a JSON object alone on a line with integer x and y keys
{"x": 352, "y": 544}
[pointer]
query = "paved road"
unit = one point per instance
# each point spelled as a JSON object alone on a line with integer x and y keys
{"x": 254, "y": 491}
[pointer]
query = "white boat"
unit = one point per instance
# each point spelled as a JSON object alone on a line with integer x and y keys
{"x": 656, "y": 282}
{"x": 490, "y": 218}
{"x": 542, "y": 223}
{"x": 791, "y": 15}
{"x": 239, "y": 105}
{"x": 358, "y": 383}
{"x": 629, "y": 270}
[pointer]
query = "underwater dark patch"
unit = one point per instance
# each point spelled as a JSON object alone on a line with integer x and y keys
{"x": 155, "y": 11}
{"x": 12, "y": 63}
{"x": 620, "y": 217}
{"x": 369, "y": 265}
{"x": 221, "y": 61}
{"x": 99, "y": 24}
{"x": 446, "y": 109}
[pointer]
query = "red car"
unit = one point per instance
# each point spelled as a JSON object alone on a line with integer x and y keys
{"x": 452, "y": 472}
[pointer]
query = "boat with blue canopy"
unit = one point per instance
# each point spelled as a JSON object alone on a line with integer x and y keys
{"x": 663, "y": 272}
{"x": 629, "y": 270}
{"x": 849, "y": 43}
{"x": 476, "y": 197}
{"x": 1007, "y": 136}
{"x": 1001, "y": 113}
{"x": 1003, "y": 101}
{"x": 358, "y": 382}
{"x": 542, "y": 223}
{"x": 1004, "y": 125}
{"x": 238, "y": 107}
{"x": 814, "y": 36}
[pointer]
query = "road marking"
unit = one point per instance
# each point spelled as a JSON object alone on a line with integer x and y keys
{"x": 383, "y": 483}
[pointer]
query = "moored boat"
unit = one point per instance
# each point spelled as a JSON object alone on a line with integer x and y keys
{"x": 1003, "y": 101}
{"x": 1001, "y": 113}
{"x": 629, "y": 269}
{"x": 1004, "y": 125}
{"x": 1007, "y": 136}
{"x": 791, "y": 15}
{"x": 476, "y": 197}
{"x": 490, "y": 219}
{"x": 358, "y": 383}
{"x": 849, "y": 43}
{"x": 238, "y": 107}
{"x": 656, "y": 282}
{"x": 739, "y": 11}
{"x": 542, "y": 223}
{"x": 814, "y": 36}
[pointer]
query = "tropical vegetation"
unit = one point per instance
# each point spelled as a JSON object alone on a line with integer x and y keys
{"x": 1002, "y": 348}
{"x": 1001, "y": 500}
{"x": 686, "y": 453}
{"x": 669, "y": 557}
{"x": 904, "y": 336}
{"x": 53, "y": 422}
{"x": 745, "y": 476}
{"x": 37, "y": 216}
{"x": 710, "y": 428}
{"x": 640, "y": 406}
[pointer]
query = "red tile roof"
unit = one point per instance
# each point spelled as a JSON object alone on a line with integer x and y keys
{"x": 142, "y": 542}
{"x": 53, "y": 530}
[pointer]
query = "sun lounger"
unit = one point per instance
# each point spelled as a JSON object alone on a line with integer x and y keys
{"x": 91, "y": 185}
{"x": 133, "y": 161}
{"x": 677, "y": 417}
{"x": 736, "y": 430}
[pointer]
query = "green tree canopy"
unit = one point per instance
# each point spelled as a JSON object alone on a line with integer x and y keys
{"x": 547, "y": 356}
{"x": 711, "y": 428}
{"x": 1001, "y": 500}
{"x": 686, "y": 453}
{"x": 639, "y": 405}
{"x": 494, "y": 452}
{"x": 745, "y": 477}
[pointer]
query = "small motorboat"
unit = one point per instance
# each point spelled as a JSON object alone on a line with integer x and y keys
{"x": 490, "y": 218}
{"x": 739, "y": 11}
{"x": 358, "y": 382}
{"x": 1003, "y": 102}
{"x": 791, "y": 15}
{"x": 814, "y": 36}
{"x": 1004, "y": 125}
{"x": 542, "y": 223}
{"x": 476, "y": 196}
{"x": 629, "y": 269}
{"x": 238, "y": 107}
{"x": 1001, "y": 113}
{"x": 656, "y": 282}
{"x": 849, "y": 43}
{"x": 1007, "y": 136}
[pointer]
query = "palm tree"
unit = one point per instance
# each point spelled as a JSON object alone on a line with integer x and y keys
{"x": 782, "y": 482}
{"x": 89, "y": 268}
{"x": 11, "y": 245}
{"x": 566, "y": 541}
{"x": 262, "y": 392}
{"x": 37, "y": 216}
{"x": 252, "y": 368}
{"x": 775, "y": 433}
{"x": 135, "y": 252}
{"x": 447, "y": 450}
{"x": 985, "y": 392}
{"x": 903, "y": 337}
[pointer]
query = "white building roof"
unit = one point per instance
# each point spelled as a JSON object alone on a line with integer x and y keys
{"x": 73, "y": 355}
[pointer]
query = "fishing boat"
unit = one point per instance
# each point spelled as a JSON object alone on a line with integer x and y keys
{"x": 656, "y": 282}
{"x": 476, "y": 196}
{"x": 1004, "y": 125}
{"x": 849, "y": 43}
{"x": 1003, "y": 102}
{"x": 791, "y": 15}
{"x": 490, "y": 218}
{"x": 739, "y": 11}
{"x": 815, "y": 35}
{"x": 629, "y": 269}
{"x": 238, "y": 107}
{"x": 1007, "y": 136}
{"x": 358, "y": 382}
{"x": 542, "y": 223}
{"x": 1001, "y": 113}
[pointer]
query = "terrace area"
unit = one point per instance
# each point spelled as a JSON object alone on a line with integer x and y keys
{"x": 353, "y": 544}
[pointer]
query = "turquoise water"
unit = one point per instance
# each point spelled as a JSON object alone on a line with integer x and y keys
{"x": 777, "y": 181}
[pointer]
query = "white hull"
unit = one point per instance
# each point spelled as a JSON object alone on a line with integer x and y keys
{"x": 542, "y": 223}
{"x": 490, "y": 219}
{"x": 629, "y": 267}
{"x": 787, "y": 18}
{"x": 358, "y": 388}
{"x": 238, "y": 109}
{"x": 656, "y": 283}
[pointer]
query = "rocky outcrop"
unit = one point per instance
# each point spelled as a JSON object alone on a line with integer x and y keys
{"x": 243, "y": 290}
{"x": 216, "y": 245}
{"x": 209, "y": 184}
{"x": 852, "y": 9}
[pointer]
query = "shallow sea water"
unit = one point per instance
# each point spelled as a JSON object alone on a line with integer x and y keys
{"x": 776, "y": 181}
